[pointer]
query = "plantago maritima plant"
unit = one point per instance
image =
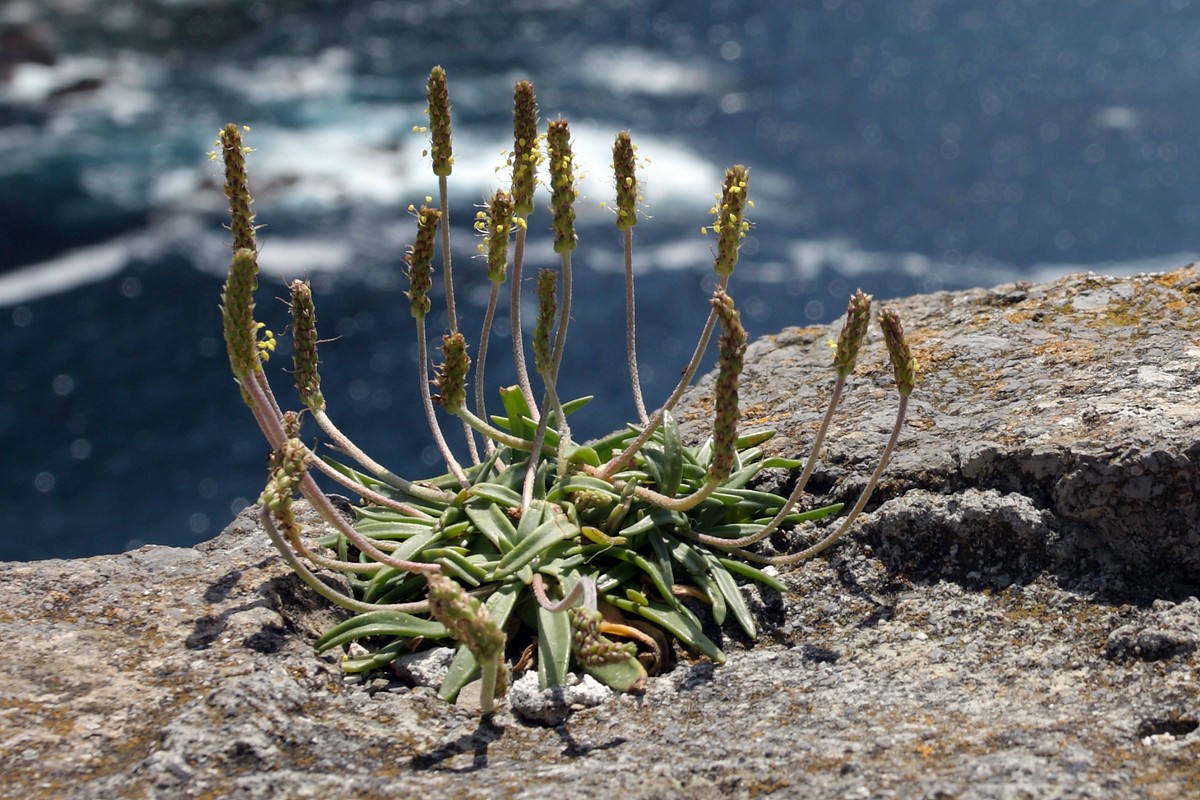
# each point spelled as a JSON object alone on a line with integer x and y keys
{"x": 585, "y": 548}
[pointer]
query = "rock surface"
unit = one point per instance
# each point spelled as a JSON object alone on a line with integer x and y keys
{"x": 1010, "y": 619}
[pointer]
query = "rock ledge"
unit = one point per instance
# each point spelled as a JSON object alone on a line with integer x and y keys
{"x": 1012, "y": 618}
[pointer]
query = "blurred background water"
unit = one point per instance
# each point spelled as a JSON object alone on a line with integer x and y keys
{"x": 901, "y": 146}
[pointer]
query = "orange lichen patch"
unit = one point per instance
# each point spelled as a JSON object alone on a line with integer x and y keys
{"x": 807, "y": 332}
{"x": 1170, "y": 279}
{"x": 760, "y": 414}
{"x": 1068, "y": 351}
{"x": 917, "y": 336}
{"x": 930, "y": 356}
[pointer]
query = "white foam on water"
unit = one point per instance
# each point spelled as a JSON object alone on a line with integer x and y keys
{"x": 94, "y": 263}
{"x": 635, "y": 70}
{"x": 371, "y": 156}
{"x": 74, "y": 268}
{"x": 299, "y": 258}
{"x": 276, "y": 79}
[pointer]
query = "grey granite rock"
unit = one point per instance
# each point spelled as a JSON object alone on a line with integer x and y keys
{"x": 1010, "y": 619}
{"x": 1081, "y": 395}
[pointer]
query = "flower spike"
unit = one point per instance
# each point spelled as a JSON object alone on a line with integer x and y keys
{"x": 858, "y": 315}
{"x": 525, "y": 156}
{"x": 903, "y": 363}
{"x": 624, "y": 170}
{"x": 562, "y": 185}
{"x": 730, "y": 224}
{"x": 732, "y": 344}
{"x": 547, "y": 309}
{"x": 237, "y": 312}
{"x": 304, "y": 346}
{"x": 496, "y": 226}
{"x": 420, "y": 260}
{"x": 440, "y": 149}
{"x": 237, "y": 189}
{"x": 451, "y": 377}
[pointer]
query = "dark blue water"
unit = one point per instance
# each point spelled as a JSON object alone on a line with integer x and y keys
{"x": 900, "y": 146}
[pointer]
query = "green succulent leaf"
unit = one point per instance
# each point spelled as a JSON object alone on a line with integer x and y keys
{"x": 672, "y": 452}
{"x": 753, "y": 573}
{"x": 553, "y": 647}
{"x": 620, "y": 676}
{"x": 376, "y": 660}
{"x": 534, "y": 544}
{"x": 498, "y": 494}
{"x": 734, "y": 600}
{"x": 519, "y": 415}
{"x": 494, "y": 525}
{"x": 379, "y": 623}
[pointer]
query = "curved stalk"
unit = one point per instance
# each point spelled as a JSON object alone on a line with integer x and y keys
{"x": 550, "y": 379}
{"x": 321, "y": 504}
{"x": 505, "y": 438}
{"x": 795, "y": 558}
{"x": 518, "y": 343}
{"x": 621, "y": 461}
{"x": 585, "y": 587}
{"x": 484, "y": 339}
{"x": 369, "y": 495}
{"x": 344, "y": 444}
{"x": 797, "y": 490}
{"x": 319, "y": 586}
{"x": 444, "y": 198}
{"x": 661, "y": 500}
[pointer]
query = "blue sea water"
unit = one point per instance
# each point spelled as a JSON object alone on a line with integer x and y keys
{"x": 901, "y": 146}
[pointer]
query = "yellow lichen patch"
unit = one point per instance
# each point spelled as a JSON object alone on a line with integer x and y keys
{"x": 1067, "y": 351}
{"x": 1122, "y": 313}
{"x": 1022, "y": 315}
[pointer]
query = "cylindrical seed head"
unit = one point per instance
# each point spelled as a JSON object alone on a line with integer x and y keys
{"x": 732, "y": 349}
{"x": 858, "y": 316}
{"x": 304, "y": 346}
{"x": 233, "y": 153}
{"x": 291, "y": 424}
{"x": 526, "y": 154}
{"x": 562, "y": 184}
{"x": 729, "y": 222}
{"x": 237, "y": 313}
{"x": 903, "y": 363}
{"x": 287, "y": 467}
{"x": 450, "y": 378}
{"x": 624, "y": 170}
{"x": 547, "y": 287}
{"x": 465, "y": 617}
{"x": 589, "y": 645}
{"x": 420, "y": 260}
{"x": 497, "y": 228}
{"x": 439, "y": 123}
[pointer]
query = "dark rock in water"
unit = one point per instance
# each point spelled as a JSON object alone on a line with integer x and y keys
{"x": 24, "y": 43}
{"x": 989, "y": 629}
